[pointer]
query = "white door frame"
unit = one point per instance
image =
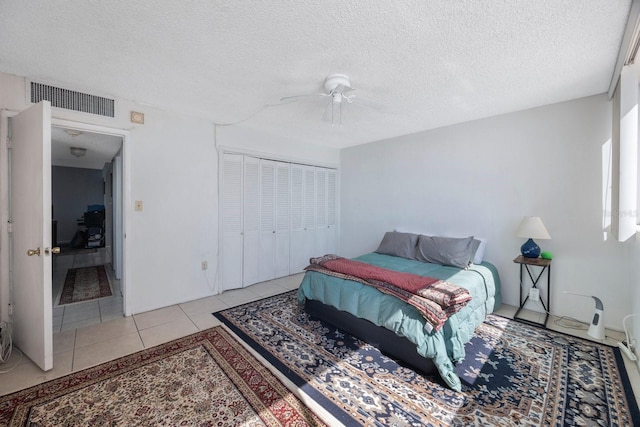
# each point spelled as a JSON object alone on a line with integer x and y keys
{"x": 118, "y": 230}
{"x": 126, "y": 194}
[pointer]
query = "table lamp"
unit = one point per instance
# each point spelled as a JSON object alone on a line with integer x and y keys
{"x": 531, "y": 228}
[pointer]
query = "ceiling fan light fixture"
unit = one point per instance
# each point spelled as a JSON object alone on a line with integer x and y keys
{"x": 336, "y": 80}
{"x": 337, "y": 87}
{"x": 78, "y": 151}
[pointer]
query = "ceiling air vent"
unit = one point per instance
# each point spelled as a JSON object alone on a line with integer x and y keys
{"x": 72, "y": 100}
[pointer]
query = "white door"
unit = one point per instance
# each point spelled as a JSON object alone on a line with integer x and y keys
{"x": 332, "y": 211}
{"x": 321, "y": 234}
{"x": 296, "y": 258}
{"x": 231, "y": 262}
{"x": 309, "y": 247}
{"x": 251, "y": 219}
{"x": 30, "y": 217}
{"x": 283, "y": 187}
{"x": 267, "y": 219}
{"x": 303, "y": 223}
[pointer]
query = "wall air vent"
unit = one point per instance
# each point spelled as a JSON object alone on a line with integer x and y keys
{"x": 72, "y": 100}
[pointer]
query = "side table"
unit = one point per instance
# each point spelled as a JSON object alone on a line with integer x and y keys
{"x": 526, "y": 264}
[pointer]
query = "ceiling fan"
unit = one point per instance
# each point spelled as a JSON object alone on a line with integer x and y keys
{"x": 336, "y": 87}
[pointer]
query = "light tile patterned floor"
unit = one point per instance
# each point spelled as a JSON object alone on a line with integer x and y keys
{"x": 87, "y": 334}
{"x": 78, "y": 315}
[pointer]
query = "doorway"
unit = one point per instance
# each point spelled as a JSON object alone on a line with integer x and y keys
{"x": 26, "y": 153}
{"x": 82, "y": 189}
{"x": 88, "y": 177}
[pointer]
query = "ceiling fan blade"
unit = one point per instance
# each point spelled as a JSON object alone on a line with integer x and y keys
{"x": 327, "y": 115}
{"x": 297, "y": 97}
{"x": 333, "y": 113}
{"x": 353, "y": 99}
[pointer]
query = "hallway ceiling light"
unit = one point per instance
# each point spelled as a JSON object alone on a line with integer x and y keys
{"x": 72, "y": 133}
{"x": 78, "y": 151}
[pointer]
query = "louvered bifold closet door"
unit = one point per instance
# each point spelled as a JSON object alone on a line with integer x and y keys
{"x": 321, "y": 243}
{"x": 267, "y": 219}
{"x": 299, "y": 253}
{"x": 283, "y": 190}
{"x": 332, "y": 211}
{"x": 275, "y": 216}
{"x": 251, "y": 217}
{"x": 309, "y": 216}
{"x": 232, "y": 239}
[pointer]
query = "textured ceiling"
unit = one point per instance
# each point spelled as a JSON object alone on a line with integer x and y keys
{"x": 100, "y": 149}
{"x": 425, "y": 64}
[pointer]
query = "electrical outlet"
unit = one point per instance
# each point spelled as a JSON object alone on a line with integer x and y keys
{"x": 534, "y": 294}
{"x": 204, "y": 265}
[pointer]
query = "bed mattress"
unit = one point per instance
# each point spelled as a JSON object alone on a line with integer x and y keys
{"x": 444, "y": 346}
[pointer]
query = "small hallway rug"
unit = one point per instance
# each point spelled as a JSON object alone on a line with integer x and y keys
{"x": 205, "y": 379}
{"x": 84, "y": 284}
{"x": 513, "y": 375}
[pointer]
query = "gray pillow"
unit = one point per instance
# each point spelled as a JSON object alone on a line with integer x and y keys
{"x": 475, "y": 247}
{"x": 456, "y": 252}
{"x": 478, "y": 256}
{"x": 398, "y": 244}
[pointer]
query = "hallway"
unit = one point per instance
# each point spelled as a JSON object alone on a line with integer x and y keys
{"x": 77, "y": 315}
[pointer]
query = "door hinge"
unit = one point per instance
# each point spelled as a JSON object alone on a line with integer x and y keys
{"x": 9, "y": 227}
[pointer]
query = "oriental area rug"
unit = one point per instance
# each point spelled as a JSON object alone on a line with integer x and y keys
{"x": 513, "y": 374}
{"x": 205, "y": 379}
{"x": 84, "y": 284}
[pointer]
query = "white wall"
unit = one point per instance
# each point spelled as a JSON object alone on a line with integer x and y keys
{"x": 174, "y": 172}
{"x": 480, "y": 178}
{"x": 475, "y": 178}
{"x": 264, "y": 145}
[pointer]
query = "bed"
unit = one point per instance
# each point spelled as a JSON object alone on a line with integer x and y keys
{"x": 395, "y": 326}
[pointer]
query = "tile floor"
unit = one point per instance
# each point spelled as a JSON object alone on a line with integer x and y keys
{"x": 90, "y": 334}
{"x": 73, "y": 316}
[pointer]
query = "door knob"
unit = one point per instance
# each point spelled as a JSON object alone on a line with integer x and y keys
{"x": 54, "y": 250}
{"x": 32, "y": 252}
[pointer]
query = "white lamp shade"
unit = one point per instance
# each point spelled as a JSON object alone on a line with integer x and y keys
{"x": 532, "y": 227}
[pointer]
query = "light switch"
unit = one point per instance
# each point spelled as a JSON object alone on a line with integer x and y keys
{"x": 138, "y": 205}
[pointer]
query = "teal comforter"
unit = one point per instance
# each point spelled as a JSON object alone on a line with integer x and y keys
{"x": 443, "y": 346}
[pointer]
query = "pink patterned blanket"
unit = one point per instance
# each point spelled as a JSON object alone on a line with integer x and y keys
{"x": 435, "y": 299}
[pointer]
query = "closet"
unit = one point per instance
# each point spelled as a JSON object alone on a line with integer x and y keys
{"x": 274, "y": 216}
